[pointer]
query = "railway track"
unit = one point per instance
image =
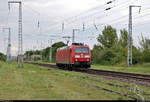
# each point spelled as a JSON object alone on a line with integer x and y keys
{"x": 121, "y": 76}
{"x": 145, "y": 79}
{"x": 130, "y": 77}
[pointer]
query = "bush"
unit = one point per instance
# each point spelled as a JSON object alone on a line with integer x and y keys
{"x": 2, "y": 57}
{"x": 37, "y": 58}
{"x": 146, "y": 56}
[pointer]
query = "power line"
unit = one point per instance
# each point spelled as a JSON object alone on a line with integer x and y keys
{"x": 88, "y": 17}
{"x": 121, "y": 17}
{"x": 124, "y": 17}
{"x": 48, "y": 16}
{"x": 74, "y": 20}
{"x": 93, "y": 14}
{"x": 140, "y": 24}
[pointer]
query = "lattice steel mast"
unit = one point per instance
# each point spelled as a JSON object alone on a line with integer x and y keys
{"x": 130, "y": 41}
{"x": 50, "y": 53}
{"x": 20, "y": 41}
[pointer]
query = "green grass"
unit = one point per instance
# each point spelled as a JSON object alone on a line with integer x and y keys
{"x": 40, "y": 62}
{"x": 141, "y": 69}
{"x": 38, "y": 83}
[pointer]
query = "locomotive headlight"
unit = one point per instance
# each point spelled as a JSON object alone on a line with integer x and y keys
{"x": 77, "y": 56}
{"x": 87, "y": 56}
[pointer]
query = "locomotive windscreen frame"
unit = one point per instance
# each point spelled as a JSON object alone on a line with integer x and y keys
{"x": 81, "y": 50}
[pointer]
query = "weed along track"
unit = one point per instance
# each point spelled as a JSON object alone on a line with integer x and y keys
{"x": 139, "y": 79}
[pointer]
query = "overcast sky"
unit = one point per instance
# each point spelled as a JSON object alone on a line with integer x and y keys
{"x": 52, "y": 13}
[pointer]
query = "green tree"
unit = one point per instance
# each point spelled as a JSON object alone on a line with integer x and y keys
{"x": 123, "y": 41}
{"x": 58, "y": 44}
{"x": 55, "y": 46}
{"x": 104, "y": 53}
{"x": 145, "y": 50}
{"x": 122, "y": 50}
{"x": 144, "y": 43}
{"x": 108, "y": 38}
{"x": 137, "y": 55}
{"x": 96, "y": 54}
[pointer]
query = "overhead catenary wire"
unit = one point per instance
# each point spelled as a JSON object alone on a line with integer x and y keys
{"x": 72, "y": 21}
{"x": 103, "y": 10}
{"x": 99, "y": 16}
{"x": 35, "y": 11}
{"x": 124, "y": 17}
{"x": 67, "y": 19}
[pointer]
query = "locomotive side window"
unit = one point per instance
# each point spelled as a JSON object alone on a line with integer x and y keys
{"x": 81, "y": 50}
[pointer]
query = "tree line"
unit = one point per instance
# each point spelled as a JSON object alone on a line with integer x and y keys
{"x": 112, "y": 50}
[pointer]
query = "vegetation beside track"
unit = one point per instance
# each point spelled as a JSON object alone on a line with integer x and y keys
{"x": 140, "y": 69}
{"x": 2, "y": 57}
{"x": 37, "y": 83}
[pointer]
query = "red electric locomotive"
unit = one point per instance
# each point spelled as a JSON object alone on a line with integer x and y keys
{"x": 76, "y": 55}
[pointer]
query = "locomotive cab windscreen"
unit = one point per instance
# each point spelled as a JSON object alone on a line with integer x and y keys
{"x": 81, "y": 50}
{"x": 82, "y": 57}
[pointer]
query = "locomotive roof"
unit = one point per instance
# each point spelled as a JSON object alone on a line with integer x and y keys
{"x": 66, "y": 47}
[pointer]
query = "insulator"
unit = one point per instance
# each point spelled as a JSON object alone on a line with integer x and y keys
{"x": 38, "y": 24}
{"x": 140, "y": 10}
{"x": 109, "y": 2}
{"x": 95, "y": 27}
{"x": 108, "y": 8}
{"x": 83, "y": 27}
{"x": 62, "y": 27}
